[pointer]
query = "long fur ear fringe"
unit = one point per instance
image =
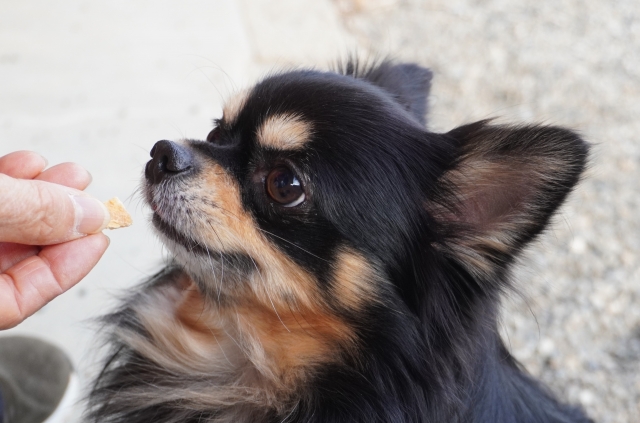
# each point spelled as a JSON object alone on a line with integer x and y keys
{"x": 503, "y": 188}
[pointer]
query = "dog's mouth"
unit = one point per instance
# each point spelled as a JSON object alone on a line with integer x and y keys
{"x": 175, "y": 235}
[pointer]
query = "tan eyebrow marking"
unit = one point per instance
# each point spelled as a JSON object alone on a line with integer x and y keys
{"x": 234, "y": 105}
{"x": 284, "y": 132}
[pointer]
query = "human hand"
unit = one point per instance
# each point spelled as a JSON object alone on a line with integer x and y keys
{"x": 45, "y": 219}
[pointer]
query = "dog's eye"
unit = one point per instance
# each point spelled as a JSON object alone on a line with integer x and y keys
{"x": 284, "y": 187}
{"x": 214, "y": 136}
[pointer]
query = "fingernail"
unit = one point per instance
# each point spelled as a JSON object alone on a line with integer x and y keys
{"x": 91, "y": 215}
{"x": 46, "y": 162}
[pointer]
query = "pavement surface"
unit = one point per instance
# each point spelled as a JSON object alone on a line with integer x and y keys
{"x": 98, "y": 82}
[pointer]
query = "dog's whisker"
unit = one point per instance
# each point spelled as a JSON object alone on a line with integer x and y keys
{"x": 221, "y": 260}
{"x": 272, "y": 234}
{"x": 266, "y": 289}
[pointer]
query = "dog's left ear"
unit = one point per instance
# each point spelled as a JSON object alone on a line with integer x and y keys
{"x": 408, "y": 83}
{"x": 503, "y": 188}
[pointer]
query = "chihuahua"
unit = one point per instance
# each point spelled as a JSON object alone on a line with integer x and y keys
{"x": 333, "y": 261}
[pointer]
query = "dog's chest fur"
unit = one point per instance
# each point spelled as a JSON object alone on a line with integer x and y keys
{"x": 249, "y": 360}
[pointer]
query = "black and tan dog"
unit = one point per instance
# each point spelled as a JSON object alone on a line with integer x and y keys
{"x": 334, "y": 261}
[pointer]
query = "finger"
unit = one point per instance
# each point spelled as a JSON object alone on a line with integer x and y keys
{"x": 12, "y": 254}
{"x": 67, "y": 174}
{"x": 40, "y": 213}
{"x": 31, "y": 284}
{"x": 22, "y": 164}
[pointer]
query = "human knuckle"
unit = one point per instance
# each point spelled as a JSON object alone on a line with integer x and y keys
{"x": 46, "y": 214}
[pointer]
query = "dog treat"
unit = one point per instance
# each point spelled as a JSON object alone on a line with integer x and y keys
{"x": 120, "y": 218}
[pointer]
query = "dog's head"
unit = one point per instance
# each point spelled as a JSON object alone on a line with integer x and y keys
{"x": 326, "y": 189}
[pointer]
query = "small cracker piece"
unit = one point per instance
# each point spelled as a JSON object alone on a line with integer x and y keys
{"x": 120, "y": 218}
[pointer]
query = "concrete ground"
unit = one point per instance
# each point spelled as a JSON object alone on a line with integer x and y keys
{"x": 98, "y": 82}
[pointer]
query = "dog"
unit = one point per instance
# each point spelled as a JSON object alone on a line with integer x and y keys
{"x": 334, "y": 261}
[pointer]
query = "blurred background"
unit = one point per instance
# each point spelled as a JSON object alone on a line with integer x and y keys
{"x": 98, "y": 82}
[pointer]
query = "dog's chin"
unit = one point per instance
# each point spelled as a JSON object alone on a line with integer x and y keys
{"x": 176, "y": 237}
{"x": 192, "y": 257}
{"x": 218, "y": 274}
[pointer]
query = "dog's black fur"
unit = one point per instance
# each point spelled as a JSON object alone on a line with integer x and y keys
{"x": 440, "y": 217}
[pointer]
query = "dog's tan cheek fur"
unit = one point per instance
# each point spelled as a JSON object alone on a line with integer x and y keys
{"x": 219, "y": 221}
{"x": 355, "y": 282}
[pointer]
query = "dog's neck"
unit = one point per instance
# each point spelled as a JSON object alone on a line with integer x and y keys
{"x": 259, "y": 358}
{"x": 253, "y": 344}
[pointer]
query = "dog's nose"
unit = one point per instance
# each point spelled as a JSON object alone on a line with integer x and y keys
{"x": 168, "y": 159}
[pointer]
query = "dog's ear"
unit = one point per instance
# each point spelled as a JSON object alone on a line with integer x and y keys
{"x": 408, "y": 83}
{"x": 503, "y": 188}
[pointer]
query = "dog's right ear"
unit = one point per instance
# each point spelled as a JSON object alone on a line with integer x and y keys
{"x": 408, "y": 83}
{"x": 502, "y": 189}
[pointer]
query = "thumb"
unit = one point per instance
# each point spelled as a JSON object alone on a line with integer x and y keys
{"x": 42, "y": 213}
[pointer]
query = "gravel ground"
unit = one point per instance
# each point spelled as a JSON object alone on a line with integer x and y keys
{"x": 576, "y": 322}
